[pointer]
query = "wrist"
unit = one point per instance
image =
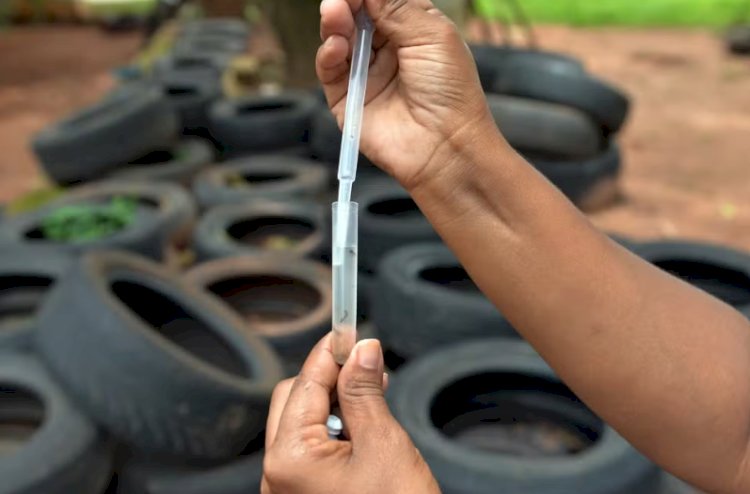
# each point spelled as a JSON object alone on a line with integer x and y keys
{"x": 458, "y": 154}
{"x": 475, "y": 161}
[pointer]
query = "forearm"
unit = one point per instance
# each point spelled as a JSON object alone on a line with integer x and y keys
{"x": 664, "y": 364}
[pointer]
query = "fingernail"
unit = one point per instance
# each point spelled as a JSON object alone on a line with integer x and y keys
{"x": 369, "y": 354}
{"x": 321, "y": 5}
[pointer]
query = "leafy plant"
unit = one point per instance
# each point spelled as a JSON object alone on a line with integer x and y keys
{"x": 85, "y": 223}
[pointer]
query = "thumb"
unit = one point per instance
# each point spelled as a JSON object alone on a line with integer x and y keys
{"x": 407, "y": 22}
{"x": 361, "y": 391}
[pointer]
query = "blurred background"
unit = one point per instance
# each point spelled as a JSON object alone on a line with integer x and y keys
{"x": 685, "y": 143}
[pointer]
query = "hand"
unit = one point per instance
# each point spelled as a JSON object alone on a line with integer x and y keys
{"x": 423, "y": 96}
{"x": 378, "y": 457}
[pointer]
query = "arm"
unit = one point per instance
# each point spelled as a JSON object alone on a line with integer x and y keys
{"x": 665, "y": 364}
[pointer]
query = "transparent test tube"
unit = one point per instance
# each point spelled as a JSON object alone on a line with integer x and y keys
{"x": 345, "y": 216}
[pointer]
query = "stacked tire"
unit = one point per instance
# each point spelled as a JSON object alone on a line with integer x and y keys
{"x": 423, "y": 299}
{"x": 190, "y": 74}
{"x": 108, "y": 350}
{"x": 561, "y": 118}
{"x": 164, "y": 215}
{"x": 128, "y": 124}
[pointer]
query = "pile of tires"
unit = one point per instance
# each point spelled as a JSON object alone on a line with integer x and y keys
{"x": 190, "y": 74}
{"x": 482, "y": 408}
{"x": 563, "y": 119}
{"x": 108, "y": 344}
{"x": 106, "y": 350}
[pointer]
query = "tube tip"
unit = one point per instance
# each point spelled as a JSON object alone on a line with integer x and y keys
{"x": 363, "y": 20}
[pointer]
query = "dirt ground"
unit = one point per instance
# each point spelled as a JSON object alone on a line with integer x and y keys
{"x": 687, "y": 145}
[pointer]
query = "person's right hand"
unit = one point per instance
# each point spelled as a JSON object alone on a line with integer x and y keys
{"x": 377, "y": 455}
{"x": 424, "y": 99}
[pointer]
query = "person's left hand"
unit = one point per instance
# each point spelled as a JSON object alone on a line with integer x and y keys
{"x": 378, "y": 455}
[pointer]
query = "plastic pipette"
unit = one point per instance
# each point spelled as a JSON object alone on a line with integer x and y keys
{"x": 345, "y": 212}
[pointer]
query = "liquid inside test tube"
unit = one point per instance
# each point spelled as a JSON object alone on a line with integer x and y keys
{"x": 344, "y": 283}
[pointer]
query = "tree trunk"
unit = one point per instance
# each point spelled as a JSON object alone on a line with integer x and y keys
{"x": 224, "y": 8}
{"x": 297, "y": 23}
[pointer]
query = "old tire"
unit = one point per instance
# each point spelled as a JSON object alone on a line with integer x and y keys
{"x": 589, "y": 183}
{"x": 366, "y": 283}
{"x": 545, "y": 129}
{"x": 287, "y": 302}
{"x": 210, "y": 43}
{"x": 603, "y": 103}
{"x": 262, "y": 229}
{"x": 719, "y": 271}
{"x": 269, "y": 176}
{"x": 66, "y": 452}
{"x": 162, "y": 365}
{"x": 492, "y": 60}
{"x": 179, "y": 164}
{"x": 624, "y": 241}
{"x": 325, "y": 138}
{"x": 217, "y": 26}
{"x": 190, "y": 61}
{"x": 26, "y": 276}
{"x": 165, "y": 213}
{"x": 673, "y": 485}
{"x": 133, "y": 121}
{"x": 424, "y": 299}
{"x": 241, "y": 475}
{"x": 389, "y": 219}
{"x": 470, "y": 409}
{"x": 261, "y": 123}
{"x": 191, "y": 92}
{"x": 738, "y": 40}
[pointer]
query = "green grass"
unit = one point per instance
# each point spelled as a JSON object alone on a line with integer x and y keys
{"x": 668, "y": 13}
{"x": 110, "y": 8}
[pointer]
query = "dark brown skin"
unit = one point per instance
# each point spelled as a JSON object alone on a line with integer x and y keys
{"x": 378, "y": 457}
{"x": 665, "y": 364}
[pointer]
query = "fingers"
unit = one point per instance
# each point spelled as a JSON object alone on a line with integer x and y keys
{"x": 278, "y": 402}
{"x": 309, "y": 402}
{"x": 406, "y": 22}
{"x": 332, "y": 62}
{"x": 361, "y": 391}
{"x": 337, "y": 30}
{"x": 336, "y": 18}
